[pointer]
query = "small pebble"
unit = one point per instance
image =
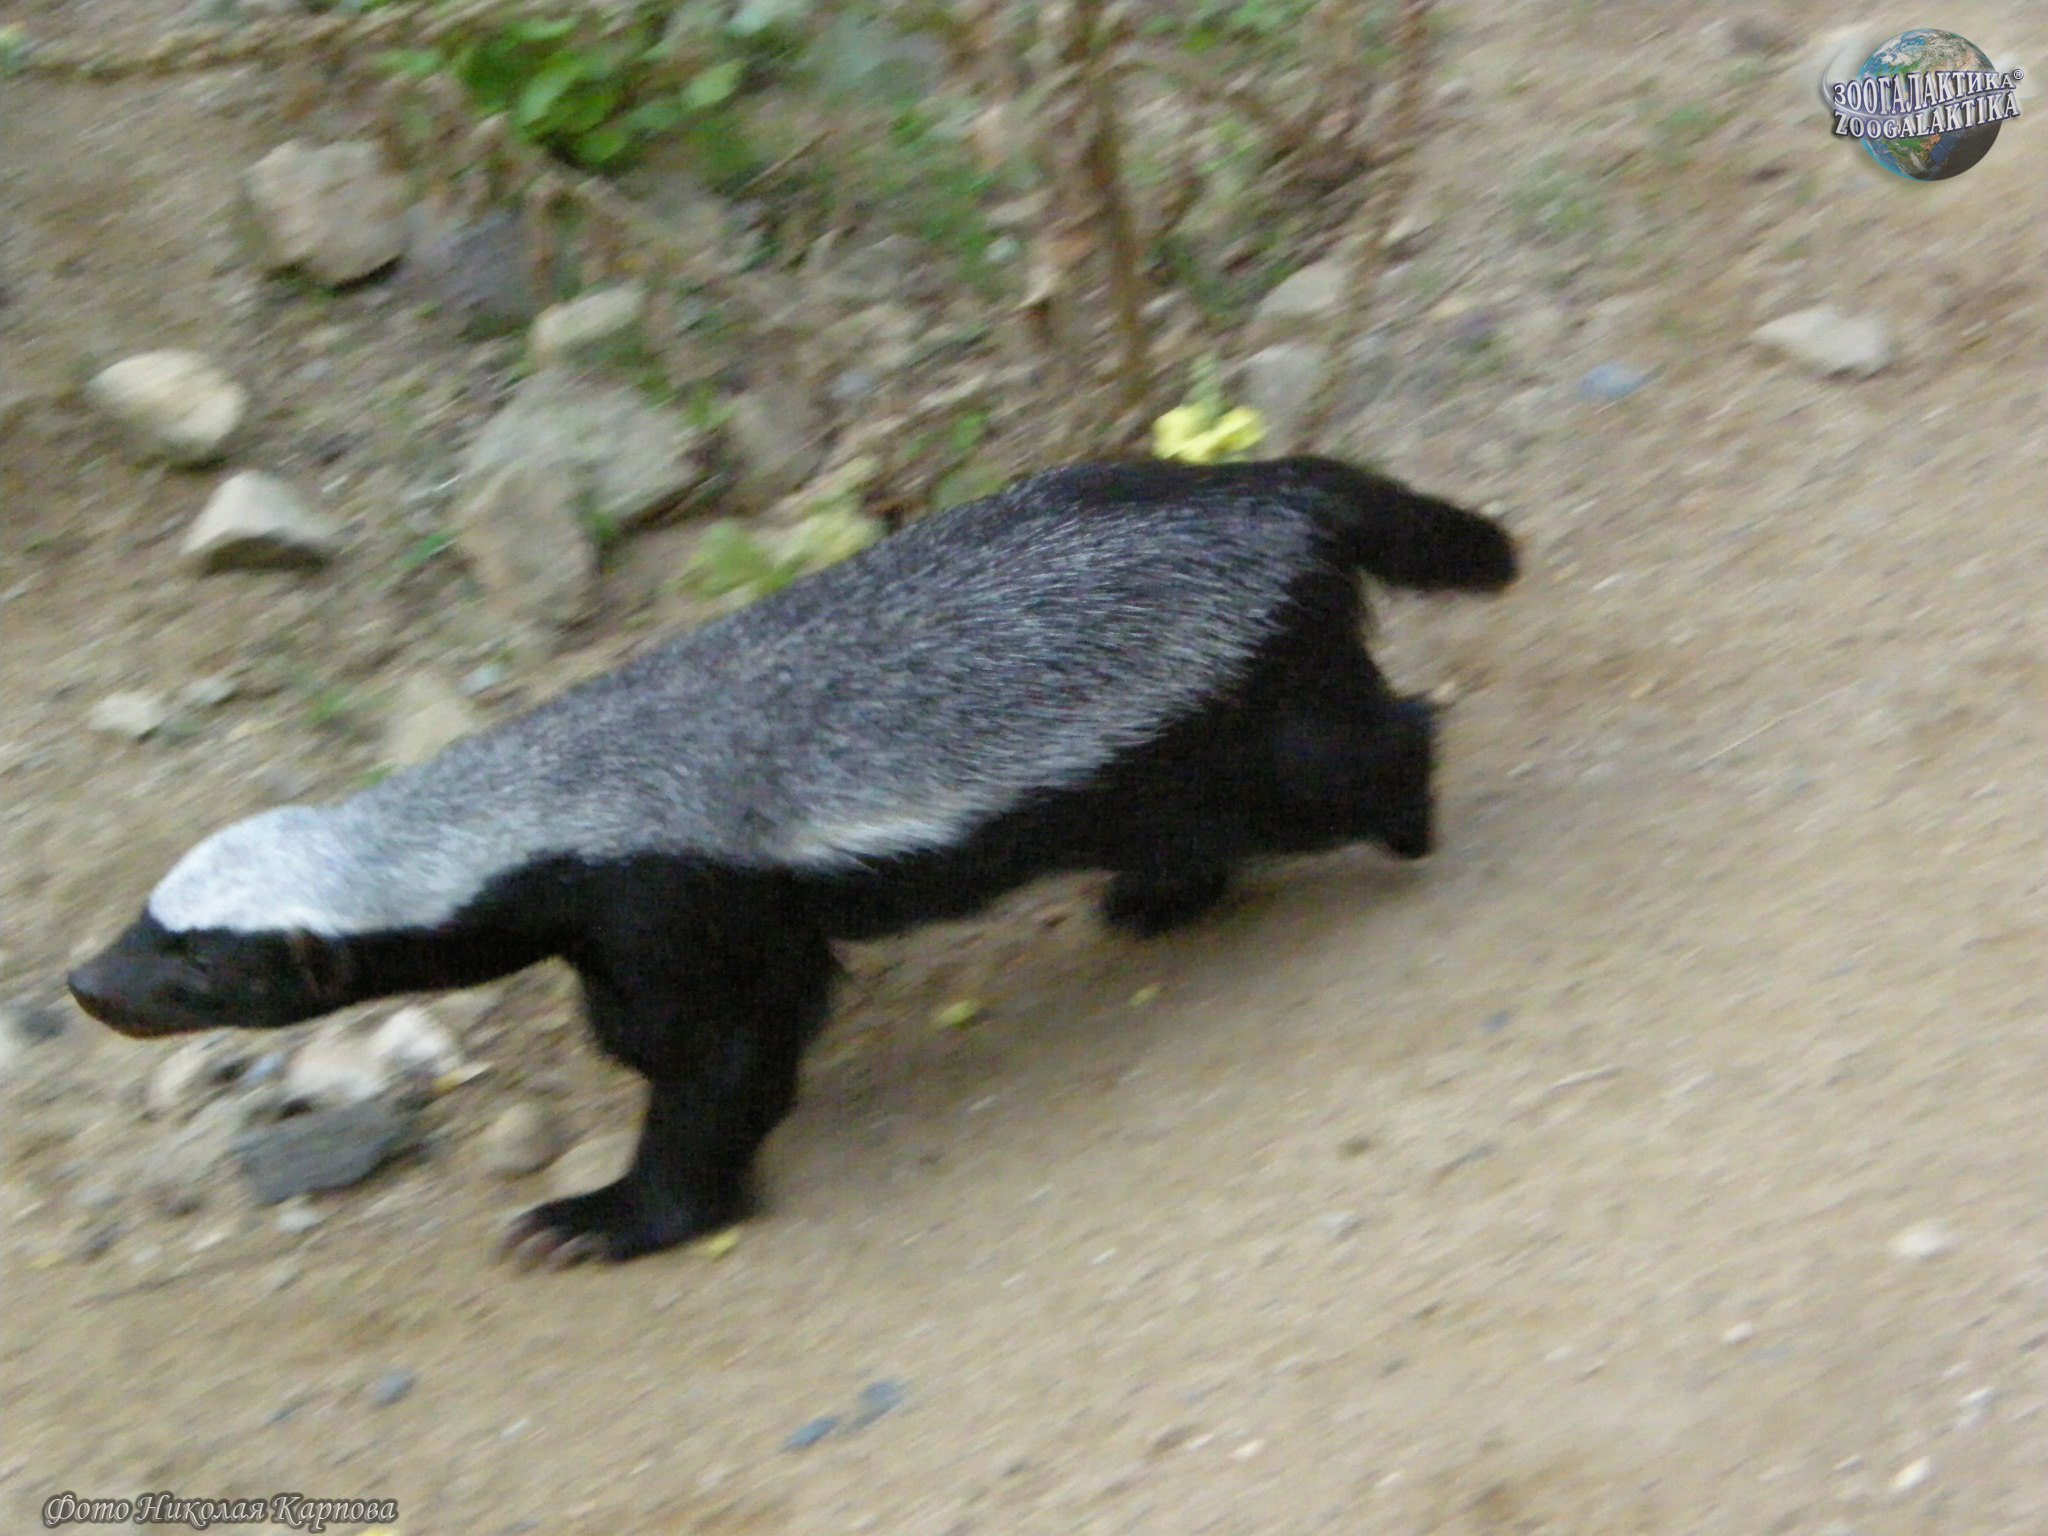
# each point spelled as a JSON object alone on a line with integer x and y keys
{"x": 808, "y": 1435}
{"x": 1741, "y": 1333}
{"x": 1612, "y": 381}
{"x": 1340, "y": 1224}
{"x": 298, "y": 1215}
{"x": 333, "y": 1068}
{"x": 254, "y": 522}
{"x": 876, "y": 1399}
{"x": 175, "y": 406}
{"x": 31, "y": 1024}
{"x": 1923, "y": 1240}
{"x": 1912, "y": 1475}
{"x": 413, "y": 1040}
{"x": 209, "y": 692}
{"x": 491, "y": 675}
{"x": 390, "y": 1387}
{"x": 523, "y": 1139}
{"x": 1829, "y": 341}
{"x": 135, "y": 715}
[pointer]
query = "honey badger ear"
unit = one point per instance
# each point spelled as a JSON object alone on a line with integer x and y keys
{"x": 324, "y": 967}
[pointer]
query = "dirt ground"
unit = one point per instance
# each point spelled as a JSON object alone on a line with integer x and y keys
{"x": 1549, "y": 1187}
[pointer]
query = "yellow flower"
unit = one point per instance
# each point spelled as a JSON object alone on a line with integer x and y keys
{"x": 1196, "y": 434}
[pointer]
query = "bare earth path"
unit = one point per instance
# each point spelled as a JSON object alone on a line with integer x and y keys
{"x": 1549, "y": 1188}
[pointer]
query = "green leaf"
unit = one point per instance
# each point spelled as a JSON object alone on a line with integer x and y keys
{"x": 731, "y": 560}
{"x": 757, "y": 16}
{"x": 601, "y": 146}
{"x": 713, "y": 85}
{"x": 660, "y": 115}
{"x": 590, "y": 103}
{"x": 967, "y": 431}
{"x": 494, "y": 74}
{"x": 552, "y": 29}
{"x": 417, "y": 62}
{"x": 545, "y": 89}
{"x": 723, "y": 155}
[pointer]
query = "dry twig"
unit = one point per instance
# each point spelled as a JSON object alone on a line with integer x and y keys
{"x": 1368, "y": 237}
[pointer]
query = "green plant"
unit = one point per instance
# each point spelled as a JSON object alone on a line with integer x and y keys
{"x": 331, "y": 707}
{"x": 1557, "y": 203}
{"x": 425, "y": 549}
{"x": 596, "y": 103}
{"x": 736, "y": 563}
{"x": 1678, "y": 132}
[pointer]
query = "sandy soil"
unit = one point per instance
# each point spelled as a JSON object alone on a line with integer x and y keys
{"x": 1550, "y": 1187}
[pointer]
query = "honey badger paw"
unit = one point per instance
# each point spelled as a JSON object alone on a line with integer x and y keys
{"x": 609, "y": 1225}
{"x": 1146, "y": 905}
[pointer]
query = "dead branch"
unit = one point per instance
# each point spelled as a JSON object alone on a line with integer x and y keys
{"x": 1376, "y": 218}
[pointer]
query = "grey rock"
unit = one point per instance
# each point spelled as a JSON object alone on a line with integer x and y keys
{"x": 475, "y": 270}
{"x": 523, "y": 1139}
{"x": 331, "y": 211}
{"x": 1829, "y": 341}
{"x": 876, "y": 1399}
{"x": 326, "y": 1149}
{"x": 1612, "y": 381}
{"x": 604, "y": 328}
{"x": 172, "y": 406}
{"x": 30, "y": 1024}
{"x": 255, "y": 521}
{"x": 193, "y": 1075}
{"x": 627, "y": 458}
{"x": 135, "y": 715}
{"x": 184, "y": 1170}
{"x": 592, "y": 1164}
{"x": 209, "y": 692}
{"x": 1279, "y": 382}
{"x": 1302, "y": 307}
{"x": 390, "y": 1387}
{"x": 777, "y": 440}
{"x": 426, "y": 716}
{"x": 516, "y": 525}
{"x": 334, "y": 1068}
{"x": 806, "y": 1435}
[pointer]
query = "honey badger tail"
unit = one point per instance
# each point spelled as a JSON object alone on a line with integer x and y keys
{"x": 1403, "y": 537}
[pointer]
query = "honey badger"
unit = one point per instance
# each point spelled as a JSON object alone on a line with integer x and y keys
{"x": 1150, "y": 669}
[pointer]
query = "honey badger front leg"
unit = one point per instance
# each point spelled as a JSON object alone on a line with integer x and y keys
{"x": 717, "y": 1027}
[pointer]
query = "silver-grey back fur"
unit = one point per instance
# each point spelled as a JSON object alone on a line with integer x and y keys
{"x": 889, "y": 704}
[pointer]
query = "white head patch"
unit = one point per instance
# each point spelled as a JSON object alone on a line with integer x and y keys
{"x": 281, "y": 870}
